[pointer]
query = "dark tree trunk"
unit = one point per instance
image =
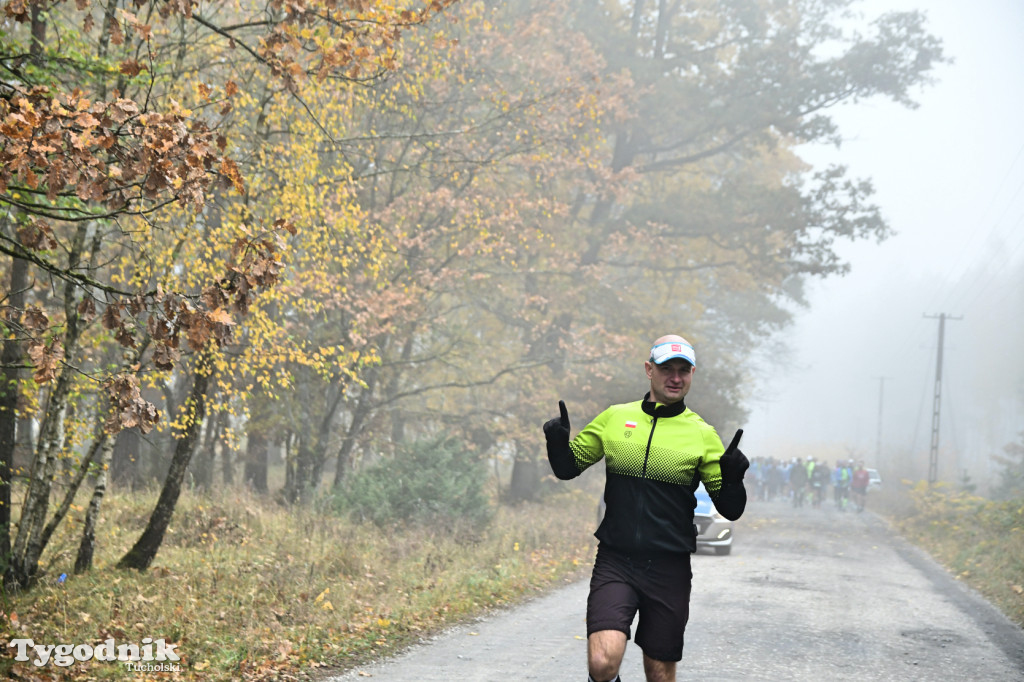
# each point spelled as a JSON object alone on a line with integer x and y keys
{"x": 525, "y": 478}
{"x": 287, "y": 444}
{"x": 257, "y": 450}
{"x": 359, "y": 415}
{"x": 227, "y": 459}
{"x": 348, "y": 444}
{"x": 302, "y": 477}
{"x": 141, "y": 555}
{"x": 10, "y": 358}
{"x": 9, "y": 382}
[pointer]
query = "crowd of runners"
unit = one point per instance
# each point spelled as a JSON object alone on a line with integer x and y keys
{"x": 811, "y": 482}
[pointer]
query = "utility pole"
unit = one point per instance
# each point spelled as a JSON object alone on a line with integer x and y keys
{"x": 878, "y": 448}
{"x": 933, "y": 458}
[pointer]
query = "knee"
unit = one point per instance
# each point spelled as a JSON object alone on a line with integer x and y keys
{"x": 603, "y": 666}
{"x": 605, "y": 655}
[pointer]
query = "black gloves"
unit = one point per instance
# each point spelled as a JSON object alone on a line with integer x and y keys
{"x": 557, "y": 429}
{"x": 733, "y": 463}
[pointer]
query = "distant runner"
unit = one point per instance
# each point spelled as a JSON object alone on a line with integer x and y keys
{"x": 859, "y": 486}
{"x": 656, "y": 452}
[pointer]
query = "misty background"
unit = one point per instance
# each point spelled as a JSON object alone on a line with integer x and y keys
{"x": 949, "y": 177}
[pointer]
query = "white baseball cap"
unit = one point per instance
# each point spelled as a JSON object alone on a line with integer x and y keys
{"x": 673, "y": 349}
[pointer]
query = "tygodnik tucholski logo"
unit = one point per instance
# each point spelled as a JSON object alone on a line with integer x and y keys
{"x": 149, "y": 656}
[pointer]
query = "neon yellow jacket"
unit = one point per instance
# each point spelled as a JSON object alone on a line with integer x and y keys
{"x": 655, "y": 455}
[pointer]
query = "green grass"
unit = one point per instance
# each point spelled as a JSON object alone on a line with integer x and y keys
{"x": 979, "y": 541}
{"x": 248, "y": 589}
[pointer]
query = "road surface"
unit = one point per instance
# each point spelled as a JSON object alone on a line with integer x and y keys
{"x": 807, "y": 595}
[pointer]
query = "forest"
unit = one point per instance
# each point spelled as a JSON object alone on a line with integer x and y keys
{"x": 283, "y": 245}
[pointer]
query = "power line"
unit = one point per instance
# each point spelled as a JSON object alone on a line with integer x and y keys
{"x": 993, "y": 272}
{"x": 992, "y": 231}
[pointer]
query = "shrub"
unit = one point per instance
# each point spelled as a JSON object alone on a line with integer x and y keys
{"x": 437, "y": 482}
{"x": 1011, "y": 478}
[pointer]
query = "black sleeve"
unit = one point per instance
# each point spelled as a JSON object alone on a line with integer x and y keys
{"x": 731, "y": 500}
{"x": 560, "y": 456}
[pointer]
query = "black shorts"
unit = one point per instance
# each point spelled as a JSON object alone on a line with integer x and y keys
{"x": 658, "y": 586}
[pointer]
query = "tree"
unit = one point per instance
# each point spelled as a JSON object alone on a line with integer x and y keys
{"x": 721, "y": 221}
{"x": 1011, "y": 478}
{"x": 477, "y": 154}
{"x": 119, "y": 133}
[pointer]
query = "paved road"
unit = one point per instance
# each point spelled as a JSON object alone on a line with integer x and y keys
{"x": 807, "y": 595}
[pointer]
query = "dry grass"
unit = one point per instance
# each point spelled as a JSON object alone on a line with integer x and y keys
{"x": 250, "y": 590}
{"x": 980, "y": 541}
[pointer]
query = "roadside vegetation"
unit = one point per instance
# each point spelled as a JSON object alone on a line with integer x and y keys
{"x": 249, "y": 589}
{"x": 980, "y": 541}
{"x": 311, "y": 236}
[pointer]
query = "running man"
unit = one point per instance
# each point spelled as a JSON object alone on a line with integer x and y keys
{"x": 656, "y": 451}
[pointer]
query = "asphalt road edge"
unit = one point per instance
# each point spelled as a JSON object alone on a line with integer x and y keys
{"x": 1003, "y": 632}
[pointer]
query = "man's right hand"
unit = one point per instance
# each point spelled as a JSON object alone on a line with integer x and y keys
{"x": 557, "y": 429}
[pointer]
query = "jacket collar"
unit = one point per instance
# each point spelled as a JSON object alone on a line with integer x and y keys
{"x": 660, "y": 411}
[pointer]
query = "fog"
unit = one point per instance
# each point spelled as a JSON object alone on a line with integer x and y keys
{"x": 949, "y": 177}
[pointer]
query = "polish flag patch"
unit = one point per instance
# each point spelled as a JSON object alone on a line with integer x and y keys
{"x": 630, "y": 425}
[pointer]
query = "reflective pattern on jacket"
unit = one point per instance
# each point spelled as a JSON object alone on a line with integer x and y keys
{"x": 655, "y": 458}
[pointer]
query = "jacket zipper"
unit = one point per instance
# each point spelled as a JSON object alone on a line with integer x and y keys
{"x": 643, "y": 476}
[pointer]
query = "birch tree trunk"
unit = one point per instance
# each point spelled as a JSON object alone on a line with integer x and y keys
{"x": 83, "y": 562}
{"x": 29, "y": 543}
{"x": 10, "y": 359}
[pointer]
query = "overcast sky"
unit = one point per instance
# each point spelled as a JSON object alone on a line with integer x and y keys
{"x": 949, "y": 177}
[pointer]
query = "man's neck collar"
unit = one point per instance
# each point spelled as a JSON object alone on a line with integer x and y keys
{"x": 661, "y": 410}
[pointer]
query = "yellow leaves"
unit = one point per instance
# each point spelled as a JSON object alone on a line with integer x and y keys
{"x": 176, "y": 109}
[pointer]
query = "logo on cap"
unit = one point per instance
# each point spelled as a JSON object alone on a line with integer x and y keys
{"x": 676, "y": 348}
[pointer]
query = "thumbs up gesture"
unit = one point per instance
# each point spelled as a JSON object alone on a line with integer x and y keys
{"x": 733, "y": 462}
{"x": 557, "y": 429}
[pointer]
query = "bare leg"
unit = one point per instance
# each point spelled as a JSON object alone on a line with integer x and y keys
{"x": 659, "y": 671}
{"x": 605, "y": 650}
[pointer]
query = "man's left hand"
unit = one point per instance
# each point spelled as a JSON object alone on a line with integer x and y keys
{"x": 733, "y": 462}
